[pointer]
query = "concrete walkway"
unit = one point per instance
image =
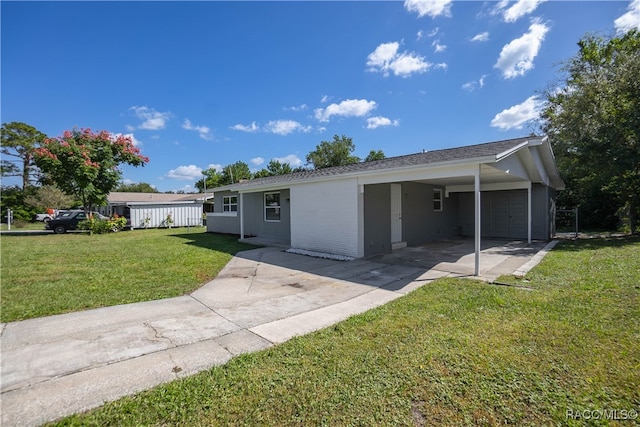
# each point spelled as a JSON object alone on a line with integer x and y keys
{"x": 60, "y": 365}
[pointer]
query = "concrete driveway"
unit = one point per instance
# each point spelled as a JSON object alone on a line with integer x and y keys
{"x": 59, "y": 365}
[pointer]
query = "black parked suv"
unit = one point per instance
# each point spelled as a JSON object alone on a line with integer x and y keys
{"x": 68, "y": 220}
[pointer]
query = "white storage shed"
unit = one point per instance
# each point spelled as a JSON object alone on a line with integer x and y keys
{"x": 150, "y": 210}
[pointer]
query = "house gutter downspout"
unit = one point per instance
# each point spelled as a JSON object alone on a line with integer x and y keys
{"x": 477, "y": 220}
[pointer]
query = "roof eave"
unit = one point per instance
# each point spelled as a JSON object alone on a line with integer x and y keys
{"x": 511, "y": 151}
{"x": 177, "y": 202}
{"x": 286, "y": 184}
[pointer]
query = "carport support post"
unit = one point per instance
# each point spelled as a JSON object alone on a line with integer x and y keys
{"x": 529, "y": 213}
{"x": 241, "y": 216}
{"x": 477, "y": 219}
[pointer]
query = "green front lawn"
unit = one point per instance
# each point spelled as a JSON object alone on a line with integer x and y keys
{"x": 23, "y": 226}
{"x": 455, "y": 352}
{"x": 52, "y": 274}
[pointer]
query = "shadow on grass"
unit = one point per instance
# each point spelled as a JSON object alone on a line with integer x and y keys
{"x": 227, "y": 243}
{"x": 591, "y": 243}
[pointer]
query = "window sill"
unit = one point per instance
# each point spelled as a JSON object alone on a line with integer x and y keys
{"x": 223, "y": 214}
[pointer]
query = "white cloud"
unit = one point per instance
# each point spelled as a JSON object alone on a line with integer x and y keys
{"x": 431, "y": 8}
{"x": 375, "y": 122}
{"x": 516, "y": 116}
{"x": 386, "y": 58}
{"x": 347, "y": 108}
{"x": 185, "y": 173}
{"x": 203, "y": 131}
{"x": 408, "y": 63}
{"x": 470, "y": 86}
{"x": 442, "y": 66}
{"x": 134, "y": 141}
{"x": 285, "y": 127}
{"x": 517, "y": 10}
{"x": 278, "y": 127}
{"x": 215, "y": 166}
{"x": 438, "y": 47}
{"x": 151, "y": 119}
{"x": 184, "y": 189}
{"x": 629, "y": 20}
{"x": 252, "y": 128}
{"x": 291, "y": 159}
{"x": 324, "y": 99}
{"x": 257, "y": 161}
{"x": 380, "y": 58}
{"x": 516, "y": 57}
{"x": 481, "y": 37}
{"x": 296, "y": 108}
{"x": 420, "y": 35}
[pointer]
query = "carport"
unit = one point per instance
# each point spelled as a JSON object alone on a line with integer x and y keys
{"x": 505, "y": 194}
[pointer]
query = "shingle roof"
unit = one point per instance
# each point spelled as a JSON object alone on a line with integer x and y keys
{"x": 489, "y": 149}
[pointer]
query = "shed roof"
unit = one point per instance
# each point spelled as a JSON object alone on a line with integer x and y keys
{"x": 486, "y": 152}
{"x": 127, "y": 197}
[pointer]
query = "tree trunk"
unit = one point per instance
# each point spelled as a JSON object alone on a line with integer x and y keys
{"x": 25, "y": 171}
{"x": 633, "y": 209}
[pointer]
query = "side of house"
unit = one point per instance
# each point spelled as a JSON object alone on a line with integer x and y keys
{"x": 504, "y": 189}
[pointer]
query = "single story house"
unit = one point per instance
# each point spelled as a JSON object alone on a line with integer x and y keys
{"x": 147, "y": 210}
{"x": 503, "y": 189}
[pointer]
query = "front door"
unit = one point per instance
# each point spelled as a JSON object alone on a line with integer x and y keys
{"x": 396, "y": 213}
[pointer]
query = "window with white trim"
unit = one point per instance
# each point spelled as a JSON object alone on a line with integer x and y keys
{"x": 230, "y": 204}
{"x": 272, "y": 206}
{"x": 437, "y": 199}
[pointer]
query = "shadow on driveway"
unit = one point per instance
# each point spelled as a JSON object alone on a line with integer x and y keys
{"x": 394, "y": 270}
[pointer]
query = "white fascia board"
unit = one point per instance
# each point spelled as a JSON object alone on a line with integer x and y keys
{"x": 549, "y": 161}
{"x": 260, "y": 189}
{"x": 538, "y": 140}
{"x": 417, "y": 174}
{"x": 365, "y": 176}
{"x": 466, "y": 164}
{"x": 496, "y": 186}
{"x": 531, "y": 165}
{"x": 539, "y": 167}
{"x": 185, "y": 202}
{"x": 509, "y": 152}
{"x": 447, "y": 169}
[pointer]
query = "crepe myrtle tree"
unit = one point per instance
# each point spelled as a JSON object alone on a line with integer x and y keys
{"x": 85, "y": 163}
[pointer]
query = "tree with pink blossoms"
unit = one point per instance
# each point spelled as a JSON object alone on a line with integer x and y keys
{"x": 86, "y": 164}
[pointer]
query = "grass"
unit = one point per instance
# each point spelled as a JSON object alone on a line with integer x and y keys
{"x": 52, "y": 274}
{"x": 455, "y": 352}
{"x": 23, "y": 226}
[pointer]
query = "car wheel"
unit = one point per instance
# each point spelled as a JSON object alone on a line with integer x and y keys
{"x": 60, "y": 229}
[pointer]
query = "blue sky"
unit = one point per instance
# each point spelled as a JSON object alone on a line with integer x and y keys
{"x": 205, "y": 84}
